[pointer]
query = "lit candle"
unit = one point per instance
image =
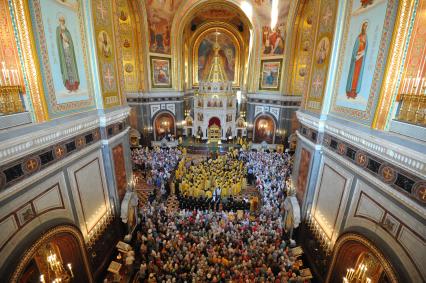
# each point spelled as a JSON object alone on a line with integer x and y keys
{"x": 69, "y": 267}
{"x": 42, "y": 279}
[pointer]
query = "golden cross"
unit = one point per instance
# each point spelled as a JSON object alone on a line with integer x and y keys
{"x": 387, "y": 173}
{"x": 59, "y": 151}
{"x": 31, "y": 164}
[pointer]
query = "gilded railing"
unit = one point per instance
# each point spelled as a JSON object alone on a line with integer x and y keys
{"x": 10, "y": 100}
{"x": 413, "y": 108}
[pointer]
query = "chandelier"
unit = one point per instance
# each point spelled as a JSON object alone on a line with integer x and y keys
{"x": 357, "y": 275}
{"x": 56, "y": 270}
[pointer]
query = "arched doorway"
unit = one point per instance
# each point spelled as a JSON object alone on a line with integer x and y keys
{"x": 164, "y": 124}
{"x": 264, "y": 129}
{"x": 214, "y": 129}
{"x": 59, "y": 253}
{"x": 354, "y": 254}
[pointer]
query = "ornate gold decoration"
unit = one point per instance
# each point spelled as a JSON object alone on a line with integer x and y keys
{"x": 387, "y": 173}
{"x": 31, "y": 165}
{"x": 343, "y": 239}
{"x": 45, "y": 238}
{"x": 361, "y": 158}
{"x": 80, "y": 142}
{"x": 10, "y": 100}
{"x": 419, "y": 191}
{"x": 231, "y": 32}
{"x": 341, "y": 148}
{"x": 31, "y": 63}
{"x": 59, "y": 151}
{"x": 394, "y": 64}
{"x": 413, "y": 108}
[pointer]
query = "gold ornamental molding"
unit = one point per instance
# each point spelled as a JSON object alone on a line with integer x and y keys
{"x": 388, "y": 91}
{"x": 353, "y": 237}
{"x": 62, "y": 229}
{"x": 30, "y": 59}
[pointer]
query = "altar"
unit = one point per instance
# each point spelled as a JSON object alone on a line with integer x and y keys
{"x": 215, "y": 104}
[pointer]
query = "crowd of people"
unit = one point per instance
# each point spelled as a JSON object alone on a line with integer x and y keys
{"x": 195, "y": 246}
{"x": 223, "y": 175}
{"x": 198, "y": 244}
{"x": 269, "y": 171}
{"x": 156, "y": 164}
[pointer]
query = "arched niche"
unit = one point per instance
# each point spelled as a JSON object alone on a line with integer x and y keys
{"x": 183, "y": 31}
{"x": 353, "y": 249}
{"x": 201, "y": 53}
{"x": 67, "y": 243}
{"x": 264, "y": 129}
{"x": 164, "y": 124}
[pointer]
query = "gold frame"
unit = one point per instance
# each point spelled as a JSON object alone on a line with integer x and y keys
{"x": 262, "y": 62}
{"x": 30, "y": 60}
{"x": 169, "y": 60}
{"x": 394, "y": 64}
{"x": 351, "y": 114}
{"x": 209, "y": 28}
{"x": 63, "y": 109}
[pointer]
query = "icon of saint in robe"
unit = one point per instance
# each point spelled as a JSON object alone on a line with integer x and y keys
{"x": 356, "y": 70}
{"x": 67, "y": 58}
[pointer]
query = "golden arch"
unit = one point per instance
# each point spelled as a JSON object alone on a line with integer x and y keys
{"x": 72, "y": 232}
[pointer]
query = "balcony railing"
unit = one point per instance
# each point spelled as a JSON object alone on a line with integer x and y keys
{"x": 11, "y": 100}
{"x": 413, "y": 109}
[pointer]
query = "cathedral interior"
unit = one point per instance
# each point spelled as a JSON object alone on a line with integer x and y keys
{"x": 123, "y": 119}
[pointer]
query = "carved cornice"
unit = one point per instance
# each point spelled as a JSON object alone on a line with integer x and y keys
{"x": 114, "y": 116}
{"x": 400, "y": 156}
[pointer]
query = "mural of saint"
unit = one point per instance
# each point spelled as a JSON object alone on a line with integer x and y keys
{"x": 227, "y": 54}
{"x": 67, "y": 58}
{"x": 322, "y": 50}
{"x": 104, "y": 44}
{"x": 356, "y": 69}
{"x": 273, "y": 41}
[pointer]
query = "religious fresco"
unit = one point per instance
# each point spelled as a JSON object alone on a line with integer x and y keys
{"x": 164, "y": 124}
{"x": 120, "y": 171}
{"x": 228, "y": 53}
{"x": 129, "y": 46}
{"x": 103, "y": 28}
{"x": 302, "y": 178}
{"x": 273, "y": 39}
{"x": 270, "y": 74}
{"x": 62, "y": 47}
{"x": 160, "y": 72}
{"x": 160, "y": 18}
{"x": 264, "y": 129}
{"x": 321, "y": 55}
{"x": 367, "y": 35}
{"x": 9, "y": 58}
